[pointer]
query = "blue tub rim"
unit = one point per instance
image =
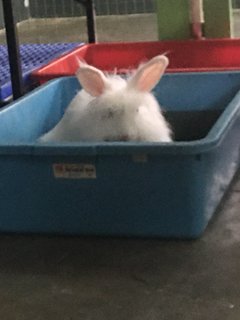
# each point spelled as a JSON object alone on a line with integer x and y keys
{"x": 206, "y": 144}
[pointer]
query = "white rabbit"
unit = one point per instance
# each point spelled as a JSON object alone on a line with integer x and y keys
{"x": 110, "y": 108}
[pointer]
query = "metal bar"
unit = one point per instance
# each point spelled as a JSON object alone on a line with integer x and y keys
{"x": 13, "y": 49}
{"x": 90, "y": 14}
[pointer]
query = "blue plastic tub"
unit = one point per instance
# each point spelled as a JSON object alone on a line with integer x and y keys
{"x": 121, "y": 188}
{"x": 32, "y": 57}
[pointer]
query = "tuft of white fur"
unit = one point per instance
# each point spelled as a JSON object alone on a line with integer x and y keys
{"x": 121, "y": 112}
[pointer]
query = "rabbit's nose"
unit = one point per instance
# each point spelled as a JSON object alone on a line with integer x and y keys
{"x": 120, "y": 138}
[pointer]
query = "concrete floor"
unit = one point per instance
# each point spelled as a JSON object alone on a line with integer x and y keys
{"x": 65, "y": 278}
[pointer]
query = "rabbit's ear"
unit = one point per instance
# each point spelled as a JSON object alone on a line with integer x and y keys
{"x": 91, "y": 79}
{"x": 148, "y": 74}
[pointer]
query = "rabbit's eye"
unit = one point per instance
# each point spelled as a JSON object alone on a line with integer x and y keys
{"x": 109, "y": 114}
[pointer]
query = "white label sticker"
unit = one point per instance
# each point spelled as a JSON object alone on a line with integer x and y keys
{"x": 74, "y": 171}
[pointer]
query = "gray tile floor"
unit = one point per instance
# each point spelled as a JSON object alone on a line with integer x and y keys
{"x": 65, "y": 278}
{"x": 138, "y": 27}
{"x": 111, "y": 28}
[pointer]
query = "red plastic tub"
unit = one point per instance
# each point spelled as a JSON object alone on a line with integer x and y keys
{"x": 185, "y": 56}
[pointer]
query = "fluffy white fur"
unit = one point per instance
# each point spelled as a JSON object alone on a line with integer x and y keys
{"x": 110, "y": 108}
